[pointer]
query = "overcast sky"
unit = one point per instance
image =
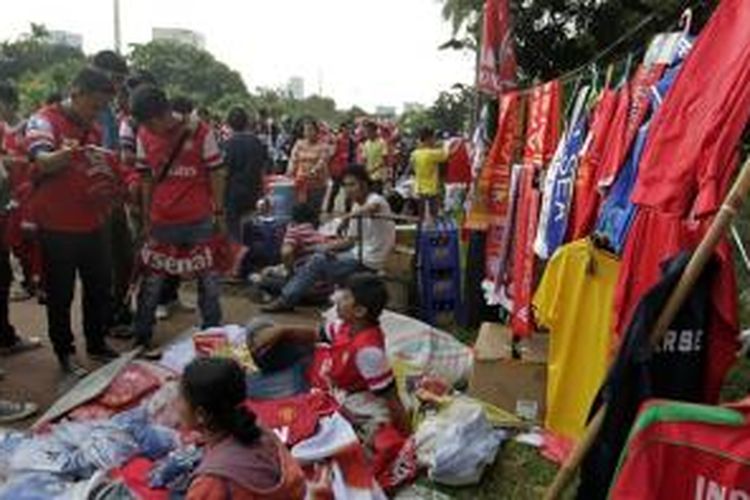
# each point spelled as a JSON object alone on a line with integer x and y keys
{"x": 365, "y": 52}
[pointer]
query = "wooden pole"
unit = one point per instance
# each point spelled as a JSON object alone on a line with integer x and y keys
{"x": 701, "y": 256}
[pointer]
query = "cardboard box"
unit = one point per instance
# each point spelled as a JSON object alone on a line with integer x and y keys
{"x": 515, "y": 385}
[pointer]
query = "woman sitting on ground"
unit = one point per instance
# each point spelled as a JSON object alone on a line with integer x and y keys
{"x": 241, "y": 461}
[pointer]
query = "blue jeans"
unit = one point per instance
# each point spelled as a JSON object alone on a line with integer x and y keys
{"x": 209, "y": 285}
{"x": 320, "y": 267}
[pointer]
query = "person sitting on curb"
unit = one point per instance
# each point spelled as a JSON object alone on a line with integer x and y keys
{"x": 338, "y": 260}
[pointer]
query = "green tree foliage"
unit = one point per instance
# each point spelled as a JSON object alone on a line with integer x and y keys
{"x": 555, "y": 36}
{"x": 186, "y": 70}
{"x": 38, "y": 67}
{"x": 451, "y": 112}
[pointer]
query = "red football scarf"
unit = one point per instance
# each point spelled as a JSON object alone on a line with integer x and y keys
{"x": 214, "y": 255}
{"x": 543, "y": 125}
{"x": 542, "y": 134}
{"x": 697, "y": 129}
{"x": 490, "y": 200}
{"x": 522, "y": 286}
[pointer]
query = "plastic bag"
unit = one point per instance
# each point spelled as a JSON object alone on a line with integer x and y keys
{"x": 174, "y": 472}
{"x": 38, "y": 486}
{"x": 457, "y": 444}
{"x": 9, "y": 442}
{"x": 154, "y": 441}
{"x": 41, "y": 454}
{"x": 97, "y": 446}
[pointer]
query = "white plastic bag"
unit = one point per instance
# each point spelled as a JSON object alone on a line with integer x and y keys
{"x": 457, "y": 444}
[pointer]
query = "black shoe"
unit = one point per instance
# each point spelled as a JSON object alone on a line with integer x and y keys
{"x": 103, "y": 354}
{"x": 148, "y": 351}
{"x": 71, "y": 367}
{"x": 122, "y": 318}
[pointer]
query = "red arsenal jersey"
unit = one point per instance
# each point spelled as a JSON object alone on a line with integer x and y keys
{"x": 66, "y": 201}
{"x": 184, "y": 196}
{"x": 352, "y": 362}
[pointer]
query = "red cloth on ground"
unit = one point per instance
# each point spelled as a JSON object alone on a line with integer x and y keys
{"x": 129, "y": 387}
{"x": 695, "y": 134}
{"x": 135, "y": 476}
{"x": 556, "y": 448}
{"x": 293, "y": 419}
{"x": 641, "y": 270}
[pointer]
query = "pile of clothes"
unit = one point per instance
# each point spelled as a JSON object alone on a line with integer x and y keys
{"x": 122, "y": 439}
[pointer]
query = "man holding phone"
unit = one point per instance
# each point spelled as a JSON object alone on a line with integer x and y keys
{"x": 72, "y": 201}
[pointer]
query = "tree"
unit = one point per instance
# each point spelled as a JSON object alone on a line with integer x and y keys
{"x": 555, "y": 36}
{"x": 38, "y": 67}
{"x": 186, "y": 70}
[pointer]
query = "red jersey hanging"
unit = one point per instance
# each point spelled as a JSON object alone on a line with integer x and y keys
{"x": 695, "y": 134}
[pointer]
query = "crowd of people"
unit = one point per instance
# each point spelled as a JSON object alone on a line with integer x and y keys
{"x": 117, "y": 169}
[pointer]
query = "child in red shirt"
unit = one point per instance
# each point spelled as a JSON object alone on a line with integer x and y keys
{"x": 349, "y": 360}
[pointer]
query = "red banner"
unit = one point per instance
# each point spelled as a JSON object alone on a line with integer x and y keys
{"x": 497, "y": 64}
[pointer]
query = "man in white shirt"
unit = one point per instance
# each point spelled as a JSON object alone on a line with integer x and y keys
{"x": 370, "y": 237}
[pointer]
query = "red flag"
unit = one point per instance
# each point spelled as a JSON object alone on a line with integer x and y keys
{"x": 497, "y": 63}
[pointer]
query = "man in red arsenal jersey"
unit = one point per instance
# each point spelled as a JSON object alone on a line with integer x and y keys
{"x": 71, "y": 210}
{"x": 183, "y": 197}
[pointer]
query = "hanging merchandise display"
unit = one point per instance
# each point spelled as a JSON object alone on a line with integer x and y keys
{"x": 500, "y": 241}
{"x": 618, "y": 210}
{"x": 586, "y": 197}
{"x": 542, "y": 136}
{"x": 563, "y": 183}
{"x": 702, "y": 118}
{"x": 695, "y": 136}
{"x": 558, "y": 183}
{"x": 497, "y": 64}
{"x": 682, "y": 450}
{"x": 675, "y": 369}
{"x": 629, "y": 116}
{"x": 489, "y": 200}
{"x": 522, "y": 284}
{"x": 543, "y": 123}
{"x": 642, "y": 268}
{"x": 574, "y": 301}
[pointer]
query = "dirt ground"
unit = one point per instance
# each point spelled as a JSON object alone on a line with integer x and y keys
{"x": 35, "y": 375}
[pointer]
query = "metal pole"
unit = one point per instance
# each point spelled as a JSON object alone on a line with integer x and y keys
{"x": 118, "y": 33}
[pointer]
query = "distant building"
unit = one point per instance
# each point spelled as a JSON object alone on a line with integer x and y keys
{"x": 179, "y": 35}
{"x": 410, "y": 107}
{"x": 385, "y": 111}
{"x": 296, "y": 87}
{"x": 61, "y": 37}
